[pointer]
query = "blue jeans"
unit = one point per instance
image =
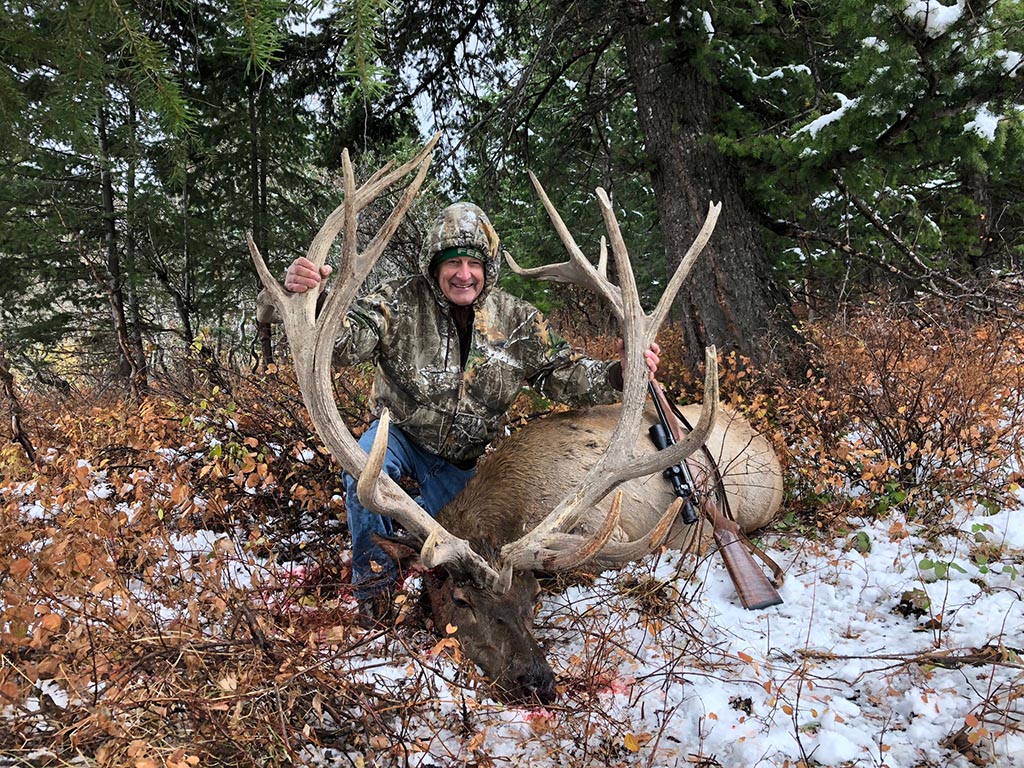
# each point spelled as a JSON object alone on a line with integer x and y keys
{"x": 439, "y": 482}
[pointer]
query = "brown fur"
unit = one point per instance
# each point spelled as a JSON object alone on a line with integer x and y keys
{"x": 525, "y": 477}
{"x": 530, "y": 471}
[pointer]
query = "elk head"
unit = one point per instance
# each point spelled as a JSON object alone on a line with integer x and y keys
{"x": 494, "y": 629}
{"x": 487, "y": 588}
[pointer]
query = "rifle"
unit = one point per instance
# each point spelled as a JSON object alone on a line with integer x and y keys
{"x": 754, "y": 589}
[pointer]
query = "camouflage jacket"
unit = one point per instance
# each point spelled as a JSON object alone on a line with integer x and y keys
{"x": 405, "y": 326}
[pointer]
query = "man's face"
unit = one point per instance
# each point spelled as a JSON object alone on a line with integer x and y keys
{"x": 461, "y": 280}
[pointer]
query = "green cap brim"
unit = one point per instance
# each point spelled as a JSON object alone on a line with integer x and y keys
{"x": 456, "y": 252}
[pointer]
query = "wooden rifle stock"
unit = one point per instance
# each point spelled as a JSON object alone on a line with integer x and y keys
{"x": 754, "y": 589}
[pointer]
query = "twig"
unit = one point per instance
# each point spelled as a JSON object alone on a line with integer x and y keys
{"x": 995, "y": 655}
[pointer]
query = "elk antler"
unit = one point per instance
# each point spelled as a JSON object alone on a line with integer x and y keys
{"x": 547, "y": 544}
{"x": 312, "y": 342}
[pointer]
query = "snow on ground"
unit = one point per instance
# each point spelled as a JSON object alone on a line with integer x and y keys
{"x": 843, "y": 673}
{"x": 895, "y": 646}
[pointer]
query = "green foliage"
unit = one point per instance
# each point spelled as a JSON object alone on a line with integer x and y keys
{"x": 870, "y": 130}
{"x": 363, "y": 47}
{"x": 256, "y": 26}
{"x": 857, "y": 133}
{"x": 939, "y": 569}
{"x": 210, "y": 125}
{"x": 861, "y": 542}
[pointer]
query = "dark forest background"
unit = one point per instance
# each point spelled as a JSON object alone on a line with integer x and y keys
{"x": 859, "y": 151}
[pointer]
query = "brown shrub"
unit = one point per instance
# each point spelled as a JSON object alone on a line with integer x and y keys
{"x": 139, "y": 555}
{"x": 903, "y": 412}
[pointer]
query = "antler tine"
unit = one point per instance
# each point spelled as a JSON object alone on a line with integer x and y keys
{"x": 618, "y": 464}
{"x": 602, "y": 259}
{"x": 576, "y": 550}
{"x": 617, "y": 553}
{"x": 577, "y": 270}
{"x": 379, "y": 181}
{"x": 367, "y": 193}
{"x": 354, "y": 267}
{"x": 312, "y": 341}
{"x": 567, "y": 550}
{"x": 439, "y": 546}
{"x": 637, "y": 331}
{"x": 686, "y": 264}
{"x": 278, "y": 294}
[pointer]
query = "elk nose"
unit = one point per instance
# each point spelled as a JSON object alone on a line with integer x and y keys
{"x": 538, "y": 685}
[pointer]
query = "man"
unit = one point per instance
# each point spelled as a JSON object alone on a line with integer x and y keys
{"x": 452, "y": 352}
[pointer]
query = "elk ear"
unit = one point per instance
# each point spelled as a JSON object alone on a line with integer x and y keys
{"x": 404, "y": 551}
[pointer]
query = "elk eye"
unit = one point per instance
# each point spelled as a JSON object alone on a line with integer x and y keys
{"x": 460, "y": 602}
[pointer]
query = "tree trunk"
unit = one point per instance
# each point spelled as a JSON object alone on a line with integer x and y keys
{"x": 183, "y": 298}
{"x": 134, "y": 309}
{"x": 728, "y": 299}
{"x": 18, "y": 433}
{"x": 115, "y": 279}
{"x": 258, "y": 201}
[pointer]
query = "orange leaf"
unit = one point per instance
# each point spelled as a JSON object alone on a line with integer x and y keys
{"x": 51, "y": 622}
{"x": 21, "y": 568}
{"x": 477, "y": 741}
{"x": 745, "y": 657}
{"x": 443, "y": 644}
{"x": 971, "y": 721}
{"x": 179, "y": 494}
{"x": 631, "y": 743}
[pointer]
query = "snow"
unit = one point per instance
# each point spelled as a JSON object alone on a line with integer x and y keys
{"x": 893, "y": 639}
{"x": 837, "y": 674}
{"x": 935, "y": 17}
{"x": 984, "y": 123}
{"x": 1012, "y": 61}
{"x": 815, "y": 126}
{"x": 780, "y": 72}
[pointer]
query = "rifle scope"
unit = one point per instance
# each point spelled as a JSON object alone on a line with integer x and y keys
{"x": 677, "y": 474}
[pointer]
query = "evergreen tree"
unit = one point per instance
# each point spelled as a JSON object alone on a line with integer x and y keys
{"x": 847, "y": 139}
{"x": 146, "y": 139}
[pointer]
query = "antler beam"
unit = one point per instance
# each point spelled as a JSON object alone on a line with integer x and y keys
{"x": 312, "y": 341}
{"x": 620, "y": 461}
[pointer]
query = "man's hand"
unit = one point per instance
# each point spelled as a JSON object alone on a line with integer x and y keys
{"x": 651, "y": 355}
{"x": 303, "y": 275}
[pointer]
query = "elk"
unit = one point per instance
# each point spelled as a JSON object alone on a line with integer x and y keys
{"x": 484, "y": 549}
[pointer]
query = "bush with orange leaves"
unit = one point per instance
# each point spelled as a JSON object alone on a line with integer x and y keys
{"x": 905, "y": 409}
{"x": 139, "y": 581}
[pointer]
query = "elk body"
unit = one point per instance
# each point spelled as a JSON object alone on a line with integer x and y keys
{"x": 534, "y": 468}
{"x": 526, "y": 476}
{"x": 514, "y": 518}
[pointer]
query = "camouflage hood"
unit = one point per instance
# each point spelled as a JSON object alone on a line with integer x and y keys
{"x": 463, "y": 225}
